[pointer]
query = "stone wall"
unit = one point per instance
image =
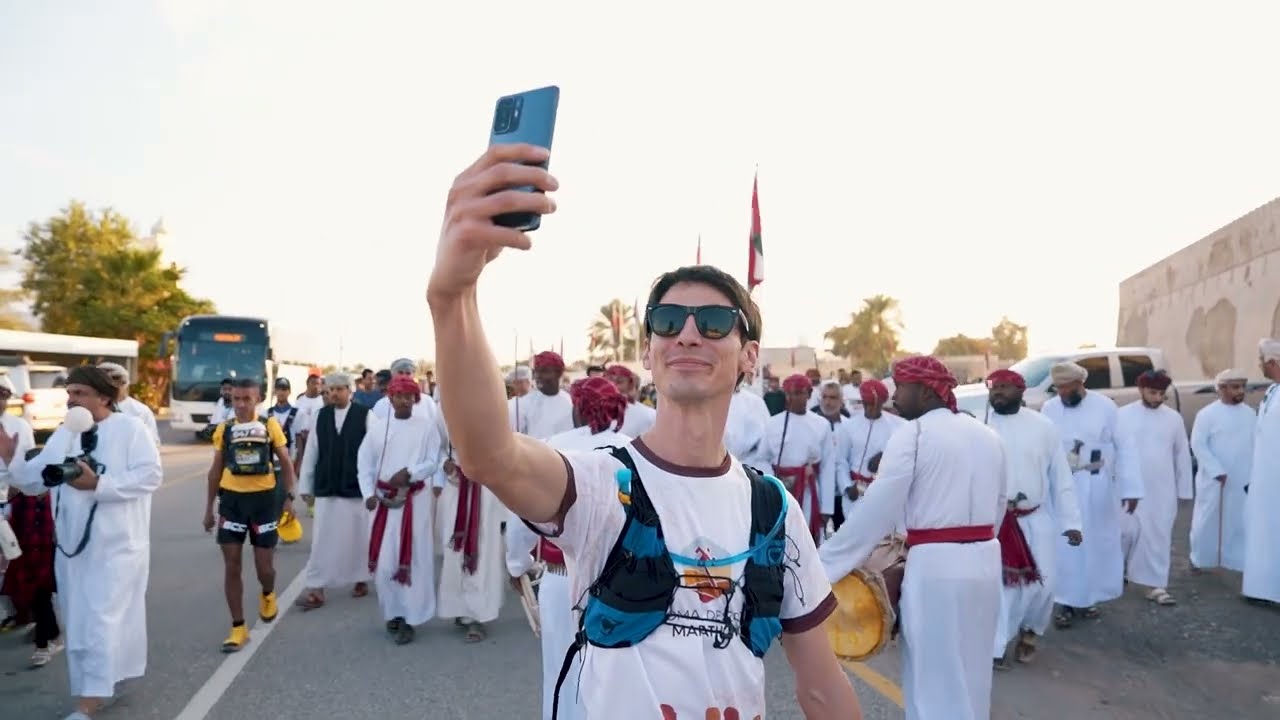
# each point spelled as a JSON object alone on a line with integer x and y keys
{"x": 1208, "y": 304}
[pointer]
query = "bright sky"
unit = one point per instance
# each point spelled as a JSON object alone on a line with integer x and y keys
{"x": 972, "y": 159}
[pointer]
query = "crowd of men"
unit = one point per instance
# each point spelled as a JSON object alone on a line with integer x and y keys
{"x": 669, "y": 546}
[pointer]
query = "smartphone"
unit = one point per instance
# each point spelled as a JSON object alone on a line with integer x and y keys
{"x": 1095, "y": 457}
{"x": 527, "y": 117}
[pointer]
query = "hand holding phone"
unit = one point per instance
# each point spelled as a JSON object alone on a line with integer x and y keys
{"x": 530, "y": 118}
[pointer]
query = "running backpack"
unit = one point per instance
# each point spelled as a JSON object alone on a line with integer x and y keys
{"x": 632, "y": 596}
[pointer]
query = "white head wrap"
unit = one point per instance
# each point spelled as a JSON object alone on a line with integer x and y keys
{"x": 1227, "y": 376}
{"x": 7, "y": 384}
{"x": 1066, "y": 372}
{"x": 403, "y": 365}
{"x": 116, "y": 373}
{"x": 522, "y": 372}
{"x": 1269, "y": 349}
{"x": 338, "y": 379}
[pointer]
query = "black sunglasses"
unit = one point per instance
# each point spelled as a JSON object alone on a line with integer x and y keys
{"x": 713, "y": 321}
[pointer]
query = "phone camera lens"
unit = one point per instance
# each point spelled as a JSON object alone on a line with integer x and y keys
{"x": 504, "y": 118}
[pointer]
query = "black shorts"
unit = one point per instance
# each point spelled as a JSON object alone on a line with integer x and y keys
{"x": 248, "y": 514}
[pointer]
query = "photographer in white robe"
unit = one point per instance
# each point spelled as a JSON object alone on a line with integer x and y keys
{"x": 103, "y": 530}
{"x": 1222, "y": 441}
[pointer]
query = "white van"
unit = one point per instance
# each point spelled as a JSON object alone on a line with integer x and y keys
{"x": 40, "y": 392}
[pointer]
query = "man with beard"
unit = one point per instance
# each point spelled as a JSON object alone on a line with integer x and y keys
{"x": 329, "y": 477}
{"x": 1261, "y": 582}
{"x": 548, "y": 410}
{"x": 1041, "y": 505}
{"x": 1164, "y": 456}
{"x": 867, "y": 433}
{"x": 1102, "y": 461}
{"x": 798, "y": 444}
{"x": 1222, "y": 441}
{"x": 946, "y": 473}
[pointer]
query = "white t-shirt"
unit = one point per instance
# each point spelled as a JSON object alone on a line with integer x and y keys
{"x": 704, "y": 512}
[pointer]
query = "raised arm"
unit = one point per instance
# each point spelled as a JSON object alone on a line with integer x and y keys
{"x": 528, "y": 477}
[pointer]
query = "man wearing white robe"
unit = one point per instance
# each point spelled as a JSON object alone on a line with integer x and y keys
{"x": 1042, "y": 501}
{"x": 946, "y": 472}
{"x": 425, "y": 407}
{"x": 639, "y": 417}
{"x": 521, "y": 378}
{"x": 1262, "y": 508}
{"x": 866, "y": 434}
{"x": 1222, "y": 442}
{"x": 744, "y": 427}
{"x": 127, "y": 404}
{"x": 101, "y": 571}
{"x": 1107, "y": 478}
{"x": 1164, "y": 456}
{"x": 547, "y": 410}
{"x": 597, "y": 407}
{"x": 797, "y": 444}
{"x": 397, "y": 460}
{"x": 340, "y": 534}
{"x": 471, "y": 581}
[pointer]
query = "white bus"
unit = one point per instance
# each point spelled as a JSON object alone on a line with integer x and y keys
{"x": 208, "y": 349}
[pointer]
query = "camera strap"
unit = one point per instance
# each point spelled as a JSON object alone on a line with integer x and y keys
{"x": 84, "y": 537}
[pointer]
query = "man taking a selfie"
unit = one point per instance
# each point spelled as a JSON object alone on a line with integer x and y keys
{"x": 695, "y": 518}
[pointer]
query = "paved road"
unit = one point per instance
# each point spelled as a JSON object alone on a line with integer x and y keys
{"x": 1210, "y": 657}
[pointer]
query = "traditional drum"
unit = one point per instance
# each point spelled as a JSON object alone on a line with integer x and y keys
{"x": 866, "y": 616}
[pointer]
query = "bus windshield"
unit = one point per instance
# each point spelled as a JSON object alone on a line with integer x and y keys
{"x": 200, "y": 367}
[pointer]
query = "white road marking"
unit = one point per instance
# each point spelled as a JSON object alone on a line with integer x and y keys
{"x": 216, "y": 686}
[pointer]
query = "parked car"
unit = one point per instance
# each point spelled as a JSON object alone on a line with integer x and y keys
{"x": 40, "y": 391}
{"x": 1113, "y": 372}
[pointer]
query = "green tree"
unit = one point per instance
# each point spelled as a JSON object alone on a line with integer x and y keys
{"x": 87, "y": 275}
{"x": 612, "y": 335}
{"x": 10, "y": 319}
{"x": 871, "y": 339}
{"x": 1009, "y": 340}
{"x": 962, "y": 345}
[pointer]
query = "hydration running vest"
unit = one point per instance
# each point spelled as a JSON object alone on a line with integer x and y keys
{"x": 632, "y": 596}
{"x": 249, "y": 455}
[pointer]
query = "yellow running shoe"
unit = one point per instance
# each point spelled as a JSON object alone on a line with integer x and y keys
{"x": 238, "y": 638}
{"x": 267, "y": 609}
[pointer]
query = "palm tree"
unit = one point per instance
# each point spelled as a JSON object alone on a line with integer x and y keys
{"x": 612, "y": 335}
{"x": 871, "y": 338}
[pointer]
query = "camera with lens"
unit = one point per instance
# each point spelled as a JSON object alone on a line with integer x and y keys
{"x": 55, "y": 474}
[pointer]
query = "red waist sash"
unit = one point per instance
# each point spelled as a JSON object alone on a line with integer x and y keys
{"x": 466, "y": 523}
{"x": 960, "y": 534}
{"x": 551, "y": 554}
{"x": 379, "y": 529}
{"x": 805, "y": 479}
{"x": 859, "y": 477}
{"x": 1015, "y": 552}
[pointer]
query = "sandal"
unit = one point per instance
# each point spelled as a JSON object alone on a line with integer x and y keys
{"x": 1160, "y": 596}
{"x": 360, "y": 590}
{"x": 403, "y": 634}
{"x": 1065, "y": 618}
{"x": 1025, "y": 650}
{"x": 475, "y": 633}
{"x": 310, "y": 601}
{"x": 1091, "y": 612}
{"x": 393, "y": 625}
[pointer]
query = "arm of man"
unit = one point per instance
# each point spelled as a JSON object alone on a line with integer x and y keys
{"x": 1201, "y": 432}
{"x": 214, "y": 478}
{"x": 876, "y": 512}
{"x": 141, "y": 476}
{"x": 526, "y": 475}
{"x": 822, "y": 688}
{"x": 1181, "y": 458}
{"x": 280, "y": 446}
{"x": 428, "y": 459}
{"x": 366, "y": 462}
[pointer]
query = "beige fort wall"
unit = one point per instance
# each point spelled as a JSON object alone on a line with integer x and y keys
{"x": 1208, "y": 304}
